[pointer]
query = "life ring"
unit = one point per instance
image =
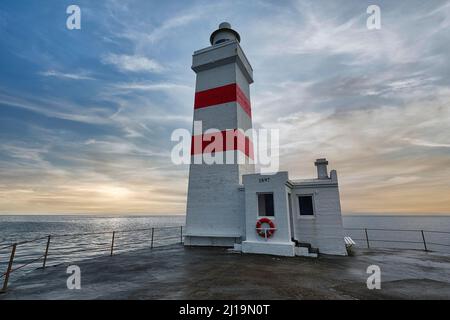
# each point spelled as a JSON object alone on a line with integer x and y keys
{"x": 267, "y": 232}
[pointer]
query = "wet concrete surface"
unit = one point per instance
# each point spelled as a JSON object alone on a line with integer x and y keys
{"x": 176, "y": 272}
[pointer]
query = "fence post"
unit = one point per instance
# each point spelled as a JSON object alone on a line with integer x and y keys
{"x": 112, "y": 243}
{"x": 181, "y": 234}
{"x": 367, "y": 239}
{"x": 46, "y": 251}
{"x": 153, "y": 231}
{"x": 424, "y": 242}
{"x": 10, "y": 264}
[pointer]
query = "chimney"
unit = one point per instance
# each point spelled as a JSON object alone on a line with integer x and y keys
{"x": 322, "y": 171}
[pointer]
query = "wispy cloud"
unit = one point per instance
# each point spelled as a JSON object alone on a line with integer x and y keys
{"x": 62, "y": 75}
{"x": 152, "y": 86}
{"x": 55, "y": 108}
{"x": 430, "y": 144}
{"x": 132, "y": 63}
{"x": 174, "y": 23}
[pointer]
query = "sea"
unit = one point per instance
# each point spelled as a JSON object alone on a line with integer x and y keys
{"x": 79, "y": 237}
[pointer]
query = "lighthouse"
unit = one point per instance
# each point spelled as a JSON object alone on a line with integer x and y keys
{"x": 222, "y": 111}
{"x": 231, "y": 205}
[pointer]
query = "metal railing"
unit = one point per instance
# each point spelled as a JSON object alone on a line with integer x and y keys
{"x": 422, "y": 237}
{"x": 109, "y": 249}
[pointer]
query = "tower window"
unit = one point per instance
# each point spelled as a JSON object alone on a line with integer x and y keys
{"x": 265, "y": 205}
{"x": 221, "y": 41}
{"x": 306, "y": 205}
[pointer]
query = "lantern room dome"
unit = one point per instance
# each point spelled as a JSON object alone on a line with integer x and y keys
{"x": 224, "y": 33}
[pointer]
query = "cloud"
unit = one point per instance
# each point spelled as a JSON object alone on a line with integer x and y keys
{"x": 23, "y": 153}
{"x": 375, "y": 103}
{"x": 429, "y": 144}
{"x": 172, "y": 23}
{"x": 105, "y": 175}
{"x": 152, "y": 86}
{"x": 395, "y": 153}
{"x": 132, "y": 63}
{"x": 115, "y": 146}
{"x": 144, "y": 34}
{"x": 55, "y": 108}
{"x": 61, "y": 75}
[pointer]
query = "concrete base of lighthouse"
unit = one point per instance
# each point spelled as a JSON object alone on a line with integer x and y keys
{"x": 273, "y": 248}
{"x": 211, "y": 241}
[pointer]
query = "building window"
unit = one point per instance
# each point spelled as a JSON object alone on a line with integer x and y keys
{"x": 265, "y": 205}
{"x": 306, "y": 205}
{"x": 221, "y": 41}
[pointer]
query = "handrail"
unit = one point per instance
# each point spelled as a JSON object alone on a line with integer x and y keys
{"x": 22, "y": 242}
{"x": 411, "y": 230}
{"x": 89, "y": 234}
{"x": 26, "y": 264}
{"x": 421, "y": 232}
{"x": 11, "y": 269}
{"x": 439, "y": 244}
{"x": 106, "y": 232}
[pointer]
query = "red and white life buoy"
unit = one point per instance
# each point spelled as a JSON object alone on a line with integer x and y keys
{"x": 265, "y": 232}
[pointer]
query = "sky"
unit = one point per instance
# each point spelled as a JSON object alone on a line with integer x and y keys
{"x": 86, "y": 115}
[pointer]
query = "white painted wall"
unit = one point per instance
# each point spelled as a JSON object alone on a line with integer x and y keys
{"x": 280, "y": 243}
{"x": 324, "y": 230}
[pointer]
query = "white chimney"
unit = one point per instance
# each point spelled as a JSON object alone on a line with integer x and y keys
{"x": 322, "y": 171}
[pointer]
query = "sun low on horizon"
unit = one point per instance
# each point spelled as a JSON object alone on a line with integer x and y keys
{"x": 86, "y": 115}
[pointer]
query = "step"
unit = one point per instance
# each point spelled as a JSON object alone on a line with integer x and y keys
{"x": 303, "y": 245}
{"x": 311, "y": 250}
{"x": 304, "y": 252}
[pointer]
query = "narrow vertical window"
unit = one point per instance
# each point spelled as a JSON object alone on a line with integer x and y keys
{"x": 265, "y": 205}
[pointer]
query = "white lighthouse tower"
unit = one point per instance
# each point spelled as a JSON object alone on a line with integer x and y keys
{"x": 228, "y": 203}
{"x": 215, "y": 204}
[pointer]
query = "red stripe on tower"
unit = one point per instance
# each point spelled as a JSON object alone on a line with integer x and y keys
{"x": 228, "y": 140}
{"x": 228, "y": 93}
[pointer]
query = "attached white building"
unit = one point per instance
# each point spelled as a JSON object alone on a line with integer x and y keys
{"x": 230, "y": 205}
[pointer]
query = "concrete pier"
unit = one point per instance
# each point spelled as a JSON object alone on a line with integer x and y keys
{"x": 178, "y": 272}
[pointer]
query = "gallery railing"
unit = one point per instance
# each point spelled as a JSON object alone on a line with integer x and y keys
{"x": 153, "y": 237}
{"x": 426, "y": 240}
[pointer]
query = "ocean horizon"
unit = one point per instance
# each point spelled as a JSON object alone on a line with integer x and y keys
{"x": 347, "y": 214}
{"x": 15, "y": 227}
